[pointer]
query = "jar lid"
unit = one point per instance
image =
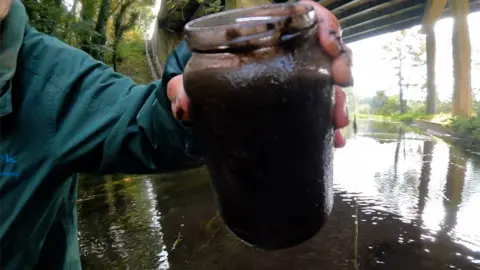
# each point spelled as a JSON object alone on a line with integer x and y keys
{"x": 248, "y": 28}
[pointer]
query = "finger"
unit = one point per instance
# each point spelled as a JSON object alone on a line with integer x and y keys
{"x": 174, "y": 86}
{"x": 178, "y": 112}
{"x": 329, "y": 34}
{"x": 341, "y": 118}
{"x": 181, "y": 108}
{"x": 174, "y": 110}
{"x": 342, "y": 68}
{"x": 329, "y": 31}
{"x": 339, "y": 139}
{"x": 185, "y": 109}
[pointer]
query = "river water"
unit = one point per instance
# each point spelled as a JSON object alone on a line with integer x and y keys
{"x": 403, "y": 200}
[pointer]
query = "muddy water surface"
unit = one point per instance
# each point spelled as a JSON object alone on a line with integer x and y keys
{"x": 403, "y": 200}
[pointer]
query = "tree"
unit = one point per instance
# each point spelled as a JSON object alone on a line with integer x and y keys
{"x": 384, "y": 105}
{"x": 125, "y": 19}
{"x": 100, "y": 38}
{"x": 407, "y": 53}
{"x": 94, "y": 26}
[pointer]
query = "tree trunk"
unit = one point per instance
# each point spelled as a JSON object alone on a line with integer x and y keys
{"x": 431, "y": 87}
{"x": 120, "y": 27}
{"x": 100, "y": 37}
{"x": 400, "y": 83}
{"x": 71, "y": 16}
{"x": 87, "y": 13}
{"x": 114, "y": 57}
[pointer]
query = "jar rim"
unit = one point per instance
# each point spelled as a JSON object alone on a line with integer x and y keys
{"x": 260, "y": 26}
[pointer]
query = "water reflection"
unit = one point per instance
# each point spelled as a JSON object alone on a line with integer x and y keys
{"x": 413, "y": 195}
{"x": 119, "y": 225}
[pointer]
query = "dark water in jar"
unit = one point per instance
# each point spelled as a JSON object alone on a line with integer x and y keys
{"x": 268, "y": 141}
{"x": 403, "y": 200}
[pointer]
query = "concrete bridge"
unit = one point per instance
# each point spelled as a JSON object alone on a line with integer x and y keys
{"x": 360, "y": 19}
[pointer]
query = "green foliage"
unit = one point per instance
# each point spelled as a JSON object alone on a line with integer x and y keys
{"x": 131, "y": 60}
{"x": 43, "y": 16}
{"x": 384, "y": 105}
{"x": 381, "y": 104}
{"x": 209, "y": 6}
{"x": 468, "y": 126}
{"x": 95, "y": 26}
{"x": 213, "y": 6}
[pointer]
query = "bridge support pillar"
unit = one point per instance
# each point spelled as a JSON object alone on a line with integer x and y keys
{"x": 462, "y": 92}
{"x": 433, "y": 10}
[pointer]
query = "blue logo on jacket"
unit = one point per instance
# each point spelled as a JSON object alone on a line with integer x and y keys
{"x": 8, "y": 159}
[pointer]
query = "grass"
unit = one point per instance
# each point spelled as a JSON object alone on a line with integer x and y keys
{"x": 133, "y": 61}
{"x": 376, "y": 117}
{"x": 131, "y": 58}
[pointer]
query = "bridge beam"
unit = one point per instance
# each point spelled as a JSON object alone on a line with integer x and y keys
{"x": 462, "y": 92}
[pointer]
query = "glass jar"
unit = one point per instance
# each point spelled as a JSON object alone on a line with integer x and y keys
{"x": 261, "y": 92}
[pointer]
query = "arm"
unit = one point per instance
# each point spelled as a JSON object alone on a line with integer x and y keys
{"x": 104, "y": 122}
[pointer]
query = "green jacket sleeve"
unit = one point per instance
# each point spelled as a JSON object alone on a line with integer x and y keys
{"x": 174, "y": 66}
{"x": 103, "y": 122}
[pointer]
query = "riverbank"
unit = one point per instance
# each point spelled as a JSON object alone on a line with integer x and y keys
{"x": 445, "y": 132}
{"x": 465, "y": 131}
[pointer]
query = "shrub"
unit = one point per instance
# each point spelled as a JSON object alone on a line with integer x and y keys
{"x": 469, "y": 126}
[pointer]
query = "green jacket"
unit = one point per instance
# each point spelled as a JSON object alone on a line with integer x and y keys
{"x": 62, "y": 113}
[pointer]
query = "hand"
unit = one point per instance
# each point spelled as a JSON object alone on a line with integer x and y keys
{"x": 330, "y": 40}
{"x": 179, "y": 99}
{"x": 329, "y": 35}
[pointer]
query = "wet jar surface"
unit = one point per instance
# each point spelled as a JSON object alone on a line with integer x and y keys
{"x": 263, "y": 117}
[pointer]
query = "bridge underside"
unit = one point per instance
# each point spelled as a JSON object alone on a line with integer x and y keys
{"x": 361, "y": 19}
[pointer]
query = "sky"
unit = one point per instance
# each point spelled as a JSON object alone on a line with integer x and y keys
{"x": 155, "y": 10}
{"x": 371, "y": 73}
